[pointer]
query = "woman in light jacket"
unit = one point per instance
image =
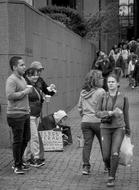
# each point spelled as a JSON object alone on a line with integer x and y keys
{"x": 112, "y": 134}
{"x": 90, "y": 94}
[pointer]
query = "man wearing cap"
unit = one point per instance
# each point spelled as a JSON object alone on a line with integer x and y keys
{"x": 45, "y": 89}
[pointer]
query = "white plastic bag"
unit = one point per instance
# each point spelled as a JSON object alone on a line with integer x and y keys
{"x": 126, "y": 152}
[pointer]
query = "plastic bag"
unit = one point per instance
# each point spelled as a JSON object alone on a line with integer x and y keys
{"x": 126, "y": 152}
{"x": 80, "y": 141}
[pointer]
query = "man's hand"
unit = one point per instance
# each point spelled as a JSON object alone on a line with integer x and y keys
{"x": 28, "y": 89}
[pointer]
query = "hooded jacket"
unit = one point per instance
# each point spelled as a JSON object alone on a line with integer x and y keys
{"x": 87, "y": 104}
{"x": 50, "y": 122}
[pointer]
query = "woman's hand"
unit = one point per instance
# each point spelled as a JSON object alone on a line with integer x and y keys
{"x": 52, "y": 87}
{"x": 117, "y": 111}
{"x": 110, "y": 113}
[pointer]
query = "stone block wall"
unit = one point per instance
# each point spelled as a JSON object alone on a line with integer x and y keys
{"x": 65, "y": 56}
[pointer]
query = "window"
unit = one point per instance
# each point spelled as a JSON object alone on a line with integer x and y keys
{"x": 126, "y": 13}
{"x": 65, "y": 3}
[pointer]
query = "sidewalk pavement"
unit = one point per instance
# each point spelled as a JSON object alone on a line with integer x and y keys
{"x": 62, "y": 170}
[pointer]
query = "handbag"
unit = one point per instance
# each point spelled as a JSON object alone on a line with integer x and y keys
{"x": 108, "y": 119}
{"x": 126, "y": 152}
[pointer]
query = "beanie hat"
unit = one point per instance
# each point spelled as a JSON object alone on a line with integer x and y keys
{"x": 36, "y": 65}
{"x": 59, "y": 115}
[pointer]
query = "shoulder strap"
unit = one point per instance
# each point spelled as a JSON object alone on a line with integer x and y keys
{"x": 114, "y": 101}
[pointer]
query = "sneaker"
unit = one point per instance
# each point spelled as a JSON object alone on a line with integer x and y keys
{"x": 25, "y": 167}
{"x": 28, "y": 162}
{"x": 86, "y": 171}
{"x": 42, "y": 159}
{"x": 18, "y": 170}
{"x": 111, "y": 182}
{"x": 37, "y": 163}
{"x": 106, "y": 169}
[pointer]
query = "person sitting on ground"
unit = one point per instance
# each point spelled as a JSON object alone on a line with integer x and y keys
{"x": 57, "y": 120}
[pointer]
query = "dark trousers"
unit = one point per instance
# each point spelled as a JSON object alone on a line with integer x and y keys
{"x": 111, "y": 143}
{"x": 89, "y": 130}
{"x": 21, "y": 135}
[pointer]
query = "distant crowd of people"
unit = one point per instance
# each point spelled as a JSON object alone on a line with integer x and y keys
{"x": 123, "y": 60}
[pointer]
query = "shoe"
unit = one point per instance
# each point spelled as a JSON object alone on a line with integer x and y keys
{"x": 25, "y": 167}
{"x": 18, "y": 170}
{"x": 86, "y": 171}
{"x": 42, "y": 159}
{"x": 28, "y": 162}
{"x": 111, "y": 182}
{"x": 37, "y": 163}
{"x": 106, "y": 170}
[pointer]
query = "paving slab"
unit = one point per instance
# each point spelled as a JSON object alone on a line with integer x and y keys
{"x": 62, "y": 170}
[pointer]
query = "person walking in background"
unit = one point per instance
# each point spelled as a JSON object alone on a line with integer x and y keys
{"x": 113, "y": 111}
{"x": 125, "y": 54}
{"x": 136, "y": 72}
{"x": 97, "y": 57}
{"x": 131, "y": 67}
{"x": 137, "y": 48}
{"x": 112, "y": 51}
{"x": 91, "y": 92}
{"x": 46, "y": 90}
{"x": 106, "y": 67}
{"x": 117, "y": 62}
{"x": 32, "y": 152}
{"x": 18, "y": 117}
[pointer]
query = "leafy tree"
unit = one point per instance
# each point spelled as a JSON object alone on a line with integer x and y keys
{"x": 67, "y": 16}
{"x": 106, "y": 21}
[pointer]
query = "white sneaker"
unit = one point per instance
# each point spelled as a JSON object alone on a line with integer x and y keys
{"x": 18, "y": 170}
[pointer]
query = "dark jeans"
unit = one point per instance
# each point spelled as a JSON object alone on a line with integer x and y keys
{"x": 89, "y": 131}
{"x": 21, "y": 135}
{"x": 111, "y": 143}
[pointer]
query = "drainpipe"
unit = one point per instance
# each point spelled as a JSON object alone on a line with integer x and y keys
{"x": 100, "y": 29}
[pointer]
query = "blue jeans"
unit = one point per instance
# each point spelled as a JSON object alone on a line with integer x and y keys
{"x": 21, "y": 135}
{"x": 111, "y": 143}
{"x": 89, "y": 131}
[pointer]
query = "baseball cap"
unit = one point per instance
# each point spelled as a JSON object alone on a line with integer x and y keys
{"x": 36, "y": 65}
